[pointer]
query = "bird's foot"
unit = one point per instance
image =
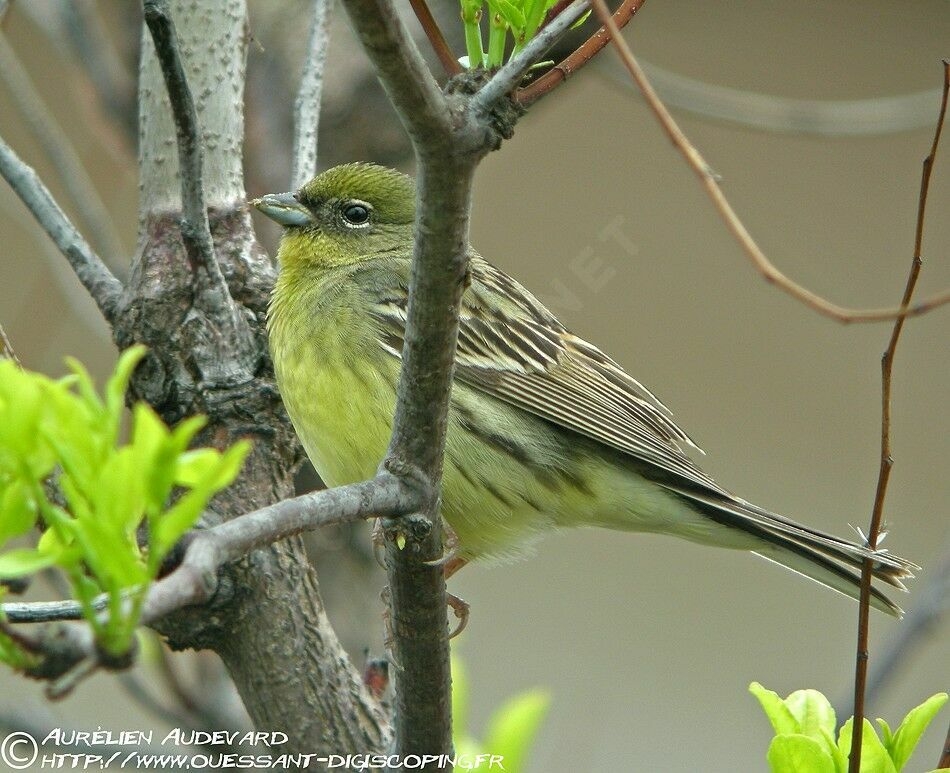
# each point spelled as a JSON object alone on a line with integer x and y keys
{"x": 379, "y": 543}
{"x": 461, "y": 609}
{"x": 450, "y": 550}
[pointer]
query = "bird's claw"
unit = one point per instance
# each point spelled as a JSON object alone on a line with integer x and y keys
{"x": 450, "y": 549}
{"x": 379, "y": 543}
{"x": 461, "y": 609}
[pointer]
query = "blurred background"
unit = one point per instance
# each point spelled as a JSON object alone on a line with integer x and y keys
{"x": 817, "y": 116}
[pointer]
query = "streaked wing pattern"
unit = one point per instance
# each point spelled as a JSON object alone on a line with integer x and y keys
{"x": 511, "y": 347}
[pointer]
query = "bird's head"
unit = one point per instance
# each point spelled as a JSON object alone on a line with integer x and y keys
{"x": 346, "y": 214}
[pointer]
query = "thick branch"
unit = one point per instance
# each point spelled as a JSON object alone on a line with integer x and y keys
{"x": 403, "y": 73}
{"x": 887, "y": 462}
{"x": 95, "y": 276}
{"x": 208, "y": 549}
{"x": 448, "y": 147}
{"x": 195, "y": 229}
{"x": 307, "y": 106}
{"x": 762, "y": 264}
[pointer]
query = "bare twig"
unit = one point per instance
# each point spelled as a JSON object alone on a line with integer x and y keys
{"x": 49, "y": 611}
{"x": 509, "y": 76}
{"x": 944, "y": 762}
{"x": 873, "y": 116}
{"x": 762, "y": 264}
{"x": 887, "y": 462}
{"x": 436, "y": 39}
{"x": 931, "y": 603}
{"x": 59, "y": 149}
{"x": 95, "y": 276}
{"x": 6, "y": 348}
{"x": 580, "y": 57}
{"x": 93, "y": 49}
{"x": 307, "y": 106}
{"x": 195, "y": 229}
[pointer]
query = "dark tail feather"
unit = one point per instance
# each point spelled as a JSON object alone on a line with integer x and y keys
{"x": 821, "y": 557}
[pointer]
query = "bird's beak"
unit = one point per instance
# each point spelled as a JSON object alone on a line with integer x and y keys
{"x": 283, "y": 208}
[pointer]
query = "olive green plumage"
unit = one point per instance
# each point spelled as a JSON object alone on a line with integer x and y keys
{"x": 545, "y": 431}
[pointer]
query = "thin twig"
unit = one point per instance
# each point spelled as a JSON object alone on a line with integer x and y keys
{"x": 887, "y": 462}
{"x": 58, "y": 147}
{"x": 580, "y": 57}
{"x": 6, "y": 348}
{"x": 944, "y": 762}
{"x": 195, "y": 229}
{"x": 931, "y": 603}
{"x": 508, "y": 77}
{"x": 50, "y": 611}
{"x": 763, "y": 265}
{"x": 94, "y": 51}
{"x": 436, "y": 39}
{"x": 307, "y": 106}
{"x": 95, "y": 276}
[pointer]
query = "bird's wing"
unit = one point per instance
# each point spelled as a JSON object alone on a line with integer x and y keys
{"x": 511, "y": 347}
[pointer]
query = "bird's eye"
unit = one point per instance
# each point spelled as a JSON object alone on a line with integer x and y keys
{"x": 356, "y": 214}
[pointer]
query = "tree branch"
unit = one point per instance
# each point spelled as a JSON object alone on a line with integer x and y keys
{"x": 887, "y": 462}
{"x": 68, "y": 650}
{"x": 207, "y": 550}
{"x": 580, "y": 57}
{"x": 508, "y": 77}
{"x": 307, "y": 106}
{"x": 448, "y": 146}
{"x": 762, "y": 264}
{"x": 195, "y": 229}
{"x": 95, "y": 276}
{"x": 403, "y": 73}
{"x": 436, "y": 39}
{"x": 931, "y": 603}
{"x": 59, "y": 149}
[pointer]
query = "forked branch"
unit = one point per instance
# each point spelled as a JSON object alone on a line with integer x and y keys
{"x": 759, "y": 260}
{"x": 95, "y": 276}
{"x": 886, "y": 461}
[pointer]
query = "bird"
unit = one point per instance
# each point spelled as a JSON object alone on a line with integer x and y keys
{"x": 545, "y": 430}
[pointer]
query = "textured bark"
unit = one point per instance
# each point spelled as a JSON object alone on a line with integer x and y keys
{"x": 267, "y": 620}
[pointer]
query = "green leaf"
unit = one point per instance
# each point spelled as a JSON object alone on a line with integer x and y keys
{"x": 118, "y": 382}
{"x": 841, "y": 760}
{"x": 512, "y": 729}
{"x": 888, "y": 739}
{"x": 874, "y": 757}
{"x": 781, "y": 717}
{"x": 813, "y": 712}
{"x": 795, "y": 753}
{"x": 24, "y": 561}
{"x": 18, "y": 510}
{"x": 509, "y": 12}
{"x": 910, "y": 730}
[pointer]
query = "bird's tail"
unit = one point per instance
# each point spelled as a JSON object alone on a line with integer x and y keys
{"x": 829, "y": 560}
